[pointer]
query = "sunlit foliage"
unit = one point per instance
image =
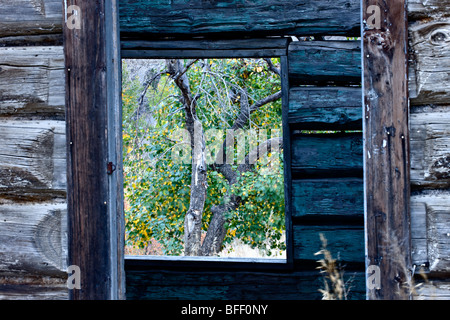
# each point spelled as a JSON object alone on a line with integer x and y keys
{"x": 157, "y": 188}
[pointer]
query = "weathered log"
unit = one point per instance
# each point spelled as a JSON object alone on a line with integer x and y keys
{"x": 32, "y": 159}
{"x": 325, "y": 108}
{"x": 429, "y": 72}
{"x": 432, "y": 290}
{"x": 419, "y": 252}
{"x": 430, "y": 140}
{"x": 33, "y": 240}
{"x": 33, "y": 40}
{"x": 46, "y": 289}
{"x": 342, "y": 197}
{"x": 200, "y": 48}
{"x": 27, "y": 17}
{"x": 179, "y": 283}
{"x": 343, "y": 241}
{"x": 259, "y": 17}
{"x": 435, "y": 206}
{"x": 331, "y": 155}
{"x": 32, "y": 81}
{"x": 419, "y": 9}
{"x": 325, "y": 62}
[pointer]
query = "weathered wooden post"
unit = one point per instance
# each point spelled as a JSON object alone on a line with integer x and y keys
{"x": 386, "y": 149}
{"x": 95, "y": 227}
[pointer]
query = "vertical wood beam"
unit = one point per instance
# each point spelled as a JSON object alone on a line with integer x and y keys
{"x": 92, "y": 64}
{"x": 284, "y": 64}
{"x": 386, "y": 149}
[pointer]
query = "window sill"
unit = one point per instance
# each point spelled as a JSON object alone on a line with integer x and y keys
{"x": 175, "y": 262}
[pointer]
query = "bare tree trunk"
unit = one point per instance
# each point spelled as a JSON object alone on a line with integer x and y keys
{"x": 212, "y": 244}
{"x": 193, "y": 218}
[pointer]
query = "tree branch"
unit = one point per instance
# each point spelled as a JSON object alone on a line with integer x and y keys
{"x": 272, "y": 66}
{"x": 147, "y": 85}
{"x": 258, "y": 104}
{"x": 244, "y": 115}
{"x": 186, "y": 68}
{"x": 241, "y": 121}
{"x": 178, "y": 74}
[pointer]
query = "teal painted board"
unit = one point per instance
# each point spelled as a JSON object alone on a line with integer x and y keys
{"x": 207, "y": 44}
{"x": 202, "y": 54}
{"x": 191, "y": 18}
{"x": 324, "y": 62}
{"x": 204, "y": 48}
{"x": 326, "y": 107}
{"x": 343, "y": 241}
{"x": 313, "y": 198}
{"x": 330, "y": 155}
{"x": 232, "y": 285}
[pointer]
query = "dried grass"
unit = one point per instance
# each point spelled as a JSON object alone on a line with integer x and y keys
{"x": 335, "y": 288}
{"x": 239, "y": 249}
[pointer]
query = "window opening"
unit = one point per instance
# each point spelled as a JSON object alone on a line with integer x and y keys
{"x": 203, "y": 161}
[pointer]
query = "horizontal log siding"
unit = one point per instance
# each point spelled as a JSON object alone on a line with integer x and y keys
{"x": 238, "y": 17}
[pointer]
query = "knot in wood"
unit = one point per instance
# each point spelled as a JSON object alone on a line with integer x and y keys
{"x": 383, "y": 39}
{"x": 379, "y": 43}
{"x": 439, "y": 37}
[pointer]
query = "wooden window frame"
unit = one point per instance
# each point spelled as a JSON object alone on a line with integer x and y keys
{"x": 93, "y": 113}
{"x": 95, "y": 209}
{"x": 222, "y": 49}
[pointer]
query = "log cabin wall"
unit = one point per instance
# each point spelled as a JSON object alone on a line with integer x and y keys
{"x": 33, "y": 227}
{"x": 33, "y": 243}
{"x": 429, "y": 89}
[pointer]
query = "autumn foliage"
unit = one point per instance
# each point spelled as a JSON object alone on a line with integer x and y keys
{"x": 157, "y": 183}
